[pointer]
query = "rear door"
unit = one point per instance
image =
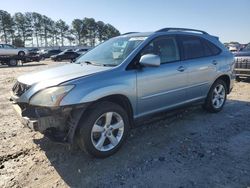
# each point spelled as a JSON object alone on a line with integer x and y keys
{"x": 201, "y": 62}
{"x": 159, "y": 88}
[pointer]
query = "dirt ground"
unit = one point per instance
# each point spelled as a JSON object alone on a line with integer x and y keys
{"x": 185, "y": 148}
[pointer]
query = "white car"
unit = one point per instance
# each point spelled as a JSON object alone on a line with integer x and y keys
{"x": 9, "y": 50}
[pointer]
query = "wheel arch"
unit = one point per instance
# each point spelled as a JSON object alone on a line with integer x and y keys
{"x": 21, "y": 51}
{"x": 121, "y": 100}
{"x": 226, "y": 79}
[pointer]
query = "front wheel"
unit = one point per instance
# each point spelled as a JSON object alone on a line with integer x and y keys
{"x": 103, "y": 129}
{"x": 13, "y": 63}
{"x": 216, "y": 97}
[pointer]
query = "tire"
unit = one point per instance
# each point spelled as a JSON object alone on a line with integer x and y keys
{"x": 216, "y": 97}
{"x": 238, "y": 79}
{"x": 12, "y": 63}
{"x": 21, "y": 53}
{"x": 97, "y": 134}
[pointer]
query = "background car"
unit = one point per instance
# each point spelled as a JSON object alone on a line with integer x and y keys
{"x": 10, "y": 50}
{"x": 33, "y": 51}
{"x": 48, "y": 53}
{"x": 242, "y": 63}
{"x": 65, "y": 55}
{"x": 82, "y": 50}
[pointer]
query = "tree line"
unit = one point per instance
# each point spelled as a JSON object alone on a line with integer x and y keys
{"x": 39, "y": 30}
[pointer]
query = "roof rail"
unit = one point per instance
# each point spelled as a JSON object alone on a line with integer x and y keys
{"x": 128, "y": 33}
{"x": 180, "y": 29}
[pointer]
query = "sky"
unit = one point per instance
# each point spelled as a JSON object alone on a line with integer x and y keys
{"x": 227, "y": 19}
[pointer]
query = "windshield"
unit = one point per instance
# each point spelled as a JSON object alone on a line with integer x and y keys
{"x": 247, "y": 48}
{"x": 111, "y": 52}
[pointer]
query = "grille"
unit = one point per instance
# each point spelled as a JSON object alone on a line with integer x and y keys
{"x": 20, "y": 88}
{"x": 242, "y": 63}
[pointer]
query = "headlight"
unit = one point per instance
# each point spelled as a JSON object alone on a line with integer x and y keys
{"x": 51, "y": 96}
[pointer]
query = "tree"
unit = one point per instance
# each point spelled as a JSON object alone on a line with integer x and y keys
{"x": 78, "y": 30}
{"x": 100, "y": 30}
{"x": 46, "y": 29}
{"x": 110, "y": 31}
{"x": 62, "y": 28}
{"x": 37, "y": 27}
{"x": 91, "y": 28}
{"x": 41, "y": 30}
{"x": 6, "y": 24}
{"x": 23, "y": 26}
{"x": 18, "y": 42}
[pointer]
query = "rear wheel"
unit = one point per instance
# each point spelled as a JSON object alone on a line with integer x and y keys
{"x": 21, "y": 53}
{"x": 216, "y": 97}
{"x": 103, "y": 129}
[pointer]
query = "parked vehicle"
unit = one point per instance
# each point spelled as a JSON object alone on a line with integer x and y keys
{"x": 233, "y": 49}
{"x": 33, "y": 51}
{"x": 65, "y": 55}
{"x": 81, "y": 50}
{"x": 94, "y": 101}
{"x": 48, "y": 53}
{"x": 242, "y": 63}
{"x": 10, "y": 50}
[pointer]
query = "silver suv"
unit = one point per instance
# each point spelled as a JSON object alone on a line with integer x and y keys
{"x": 94, "y": 101}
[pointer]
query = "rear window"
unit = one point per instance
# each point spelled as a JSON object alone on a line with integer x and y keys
{"x": 195, "y": 47}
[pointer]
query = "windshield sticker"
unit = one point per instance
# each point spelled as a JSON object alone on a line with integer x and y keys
{"x": 137, "y": 38}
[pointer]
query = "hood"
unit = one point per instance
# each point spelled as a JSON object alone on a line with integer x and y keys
{"x": 59, "y": 74}
{"x": 242, "y": 53}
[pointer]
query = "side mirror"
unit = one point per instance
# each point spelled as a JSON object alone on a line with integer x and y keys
{"x": 150, "y": 60}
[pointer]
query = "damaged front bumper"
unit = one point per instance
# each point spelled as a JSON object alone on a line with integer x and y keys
{"x": 57, "y": 123}
{"x": 31, "y": 123}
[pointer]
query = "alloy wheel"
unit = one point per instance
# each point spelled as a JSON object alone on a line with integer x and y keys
{"x": 219, "y": 95}
{"x": 107, "y": 131}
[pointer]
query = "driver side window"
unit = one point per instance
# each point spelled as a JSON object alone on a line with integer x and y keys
{"x": 165, "y": 47}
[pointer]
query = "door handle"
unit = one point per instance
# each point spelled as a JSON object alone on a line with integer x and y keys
{"x": 181, "y": 68}
{"x": 214, "y": 62}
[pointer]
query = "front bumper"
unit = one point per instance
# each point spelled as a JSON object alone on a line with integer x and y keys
{"x": 31, "y": 123}
{"x": 58, "y": 124}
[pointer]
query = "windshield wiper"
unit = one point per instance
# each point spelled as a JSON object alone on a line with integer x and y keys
{"x": 109, "y": 65}
{"x": 90, "y": 63}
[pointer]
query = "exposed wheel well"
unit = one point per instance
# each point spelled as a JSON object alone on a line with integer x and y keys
{"x": 123, "y": 101}
{"x": 226, "y": 79}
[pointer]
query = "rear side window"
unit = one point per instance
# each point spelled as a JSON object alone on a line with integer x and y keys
{"x": 213, "y": 49}
{"x": 192, "y": 47}
{"x": 195, "y": 47}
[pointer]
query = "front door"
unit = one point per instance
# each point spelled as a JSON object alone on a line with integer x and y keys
{"x": 162, "y": 87}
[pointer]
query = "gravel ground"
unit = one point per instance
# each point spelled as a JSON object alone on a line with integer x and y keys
{"x": 184, "y": 148}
